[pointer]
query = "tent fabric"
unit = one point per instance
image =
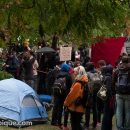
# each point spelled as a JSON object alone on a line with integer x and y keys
{"x": 45, "y": 98}
{"x": 31, "y": 109}
{"x": 109, "y": 50}
{"x": 14, "y": 95}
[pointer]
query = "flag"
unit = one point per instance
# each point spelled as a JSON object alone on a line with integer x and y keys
{"x": 109, "y": 50}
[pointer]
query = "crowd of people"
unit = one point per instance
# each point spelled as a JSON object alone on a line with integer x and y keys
{"x": 82, "y": 81}
{"x": 29, "y": 67}
{"x": 81, "y": 98}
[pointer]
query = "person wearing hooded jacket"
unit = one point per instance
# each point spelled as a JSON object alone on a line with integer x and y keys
{"x": 92, "y": 97}
{"x": 122, "y": 94}
{"x": 59, "y": 99}
{"x": 108, "y": 111}
{"x": 76, "y": 92}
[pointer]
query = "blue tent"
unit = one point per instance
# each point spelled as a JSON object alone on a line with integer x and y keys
{"x": 19, "y": 102}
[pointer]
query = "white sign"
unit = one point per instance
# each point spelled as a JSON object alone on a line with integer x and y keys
{"x": 127, "y": 46}
{"x": 65, "y": 53}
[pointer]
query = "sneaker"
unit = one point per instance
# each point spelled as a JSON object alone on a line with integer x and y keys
{"x": 98, "y": 123}
{"x": 86, "y": 128}
{"x": 61, "y": 127}
{"x": 65, "y": 128}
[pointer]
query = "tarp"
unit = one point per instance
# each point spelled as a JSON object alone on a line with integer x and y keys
{"x": 109, "y": 50}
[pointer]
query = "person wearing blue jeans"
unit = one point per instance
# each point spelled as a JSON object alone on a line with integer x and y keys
{"x": 121, "y": 80}
{"x": 123, "y": 112}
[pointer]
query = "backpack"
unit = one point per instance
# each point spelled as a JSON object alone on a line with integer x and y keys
{"x": 82, "y": 100}
{"x": 59, "y": 86}
{"x": 95, "y": 82}
{"x": 123, "y": 81}
{"x": 51, "y": 77}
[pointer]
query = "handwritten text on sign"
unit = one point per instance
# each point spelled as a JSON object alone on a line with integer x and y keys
{"x": 65, "y": 53}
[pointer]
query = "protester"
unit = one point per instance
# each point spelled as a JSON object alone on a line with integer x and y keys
{"x": 42, "y": 74}
{"x": 100, "y": 104}
{"x": 122, "y": 83}
{"x": 34, "y": 69}
{"x": 72, "y": 103}
{"x": 59, "y": 99}
{"x": 51, "y": 77}
{"x": 109, "y": 103}
{"x": 29, "y": 69}
{"x": 94, "y": 85}
{"x": 11, "y": 65}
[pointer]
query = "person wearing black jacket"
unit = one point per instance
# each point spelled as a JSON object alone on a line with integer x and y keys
{"x": 12, "y": 63}
{"x": 27, "y": 68}
{"x": 92, "y": 97}
{"x": 59, "y": 99}
{"x": 121, "y": 80}
{"x": 108, "y": 111}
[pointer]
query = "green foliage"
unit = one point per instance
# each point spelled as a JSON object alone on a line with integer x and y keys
{"x": 2, "y": 44}
{"x": 83, "y": 19}
{"x": 5, "y": 75}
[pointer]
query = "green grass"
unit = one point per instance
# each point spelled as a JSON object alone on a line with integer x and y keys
{"x": 35, "y": 127}
{"x": 44, "y": 126}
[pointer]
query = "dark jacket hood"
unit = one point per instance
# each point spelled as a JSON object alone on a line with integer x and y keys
{"x": 107, "y": 70}
{"x": 90, "y": 66}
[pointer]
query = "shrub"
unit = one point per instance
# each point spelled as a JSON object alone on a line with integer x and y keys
{"x": 5, "y": 75}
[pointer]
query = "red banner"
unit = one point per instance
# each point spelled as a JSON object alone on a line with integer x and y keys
{"x": 108, "y": 50}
